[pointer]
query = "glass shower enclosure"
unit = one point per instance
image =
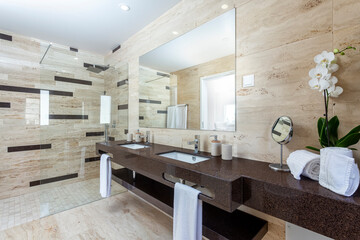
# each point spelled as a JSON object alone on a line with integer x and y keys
{"x": 70, "y": 125}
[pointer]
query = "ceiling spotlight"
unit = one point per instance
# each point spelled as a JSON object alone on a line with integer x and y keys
{"x": 124, "y": 7}
{"x": 175, "y": 33}
{"x": 75, "y": 58}
{"x": 224, "y": 6}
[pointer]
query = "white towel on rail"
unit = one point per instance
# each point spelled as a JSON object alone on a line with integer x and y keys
{"x": 105, "y": 176}
{"x": 181, "y": 116}
{"x": 187, "y": 218}
{"x": 171, "y": 117}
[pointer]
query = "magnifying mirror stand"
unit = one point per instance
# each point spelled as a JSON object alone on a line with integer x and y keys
{"x": 280, "y": 167}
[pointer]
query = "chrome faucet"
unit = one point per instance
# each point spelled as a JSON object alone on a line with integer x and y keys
{"x": 196, "y": 143}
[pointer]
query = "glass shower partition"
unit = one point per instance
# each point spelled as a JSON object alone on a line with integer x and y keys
{"x": 72, "y": 83}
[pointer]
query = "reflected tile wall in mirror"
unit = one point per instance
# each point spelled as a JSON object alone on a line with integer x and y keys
{"x": 171, "y": 94}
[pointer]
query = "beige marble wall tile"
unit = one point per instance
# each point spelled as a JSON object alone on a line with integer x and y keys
{"x": 346, "y": 13}
{"x": 263, "y": 25}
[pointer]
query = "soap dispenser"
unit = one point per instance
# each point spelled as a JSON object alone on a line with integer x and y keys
{"x": 138, "y": 136}
{"x": 215, "y": 146}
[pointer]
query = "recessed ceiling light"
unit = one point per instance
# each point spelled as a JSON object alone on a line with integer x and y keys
{"x": 75, "y": 58}
{"x": 224, "y": 6}
{"x": 175, "y": 33}
{"x": 124, "y": 7}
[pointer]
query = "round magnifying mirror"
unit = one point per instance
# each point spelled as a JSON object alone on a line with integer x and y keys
{"x": 281, "y": 132}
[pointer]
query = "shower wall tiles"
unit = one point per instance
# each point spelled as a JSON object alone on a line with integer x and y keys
{"x": 30, "y": 152}
{"x": 116, "y": 86}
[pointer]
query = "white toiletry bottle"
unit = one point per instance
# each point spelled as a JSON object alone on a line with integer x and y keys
{"x": 215, "y": 146}
{"x": 138, "y": 136}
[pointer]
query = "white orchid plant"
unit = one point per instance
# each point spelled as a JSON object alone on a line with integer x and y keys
{"x": 323, "y": 81}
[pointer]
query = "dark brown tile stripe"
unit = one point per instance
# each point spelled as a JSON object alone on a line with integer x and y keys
{"x": 92, "y": 134}
{"x": 29, "y": 147}
{"x": 33, "y": 90}
{"x": 74, "y": 49}
{"x": 4, "y": 105}
{"x": 103, "y": 68}
{"x": 54, "y": 179}
{"x": 92, "y": 159}
{"x": 5, "y": 37}
{"x": 72, "y": 80}
{"x": 117, "y": 48}
{"x": 149, "y": 101}
{"x": 162, "y": 74}
{"x": 122, "y": 82}
{"x": 58, "y": 116}
{"x": 162, "y": 111}
{"x": 121, "y": 107}
{"x": 141, "y": 117}
{"x": 111, "y": 138}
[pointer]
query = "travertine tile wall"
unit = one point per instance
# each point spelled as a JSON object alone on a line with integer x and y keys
{"x": 19, "y": 124}
{"x": 276, "y": 41}
{"x": 116, "y": 86}
{"x": 155, "y": 89}
{"x": 189, "y": 85}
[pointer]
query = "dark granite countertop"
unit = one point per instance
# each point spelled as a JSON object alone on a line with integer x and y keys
{"x": 303, "y": 202}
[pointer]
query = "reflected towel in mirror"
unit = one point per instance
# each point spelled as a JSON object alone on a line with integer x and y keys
{"x": 177, "y": 116}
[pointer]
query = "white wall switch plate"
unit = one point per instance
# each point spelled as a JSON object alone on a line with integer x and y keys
{"x": 249, "y": 80}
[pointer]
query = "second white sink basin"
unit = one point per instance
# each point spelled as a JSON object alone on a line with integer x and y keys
{"x": 184, "y": 157}
{"x": 133, "y": 146}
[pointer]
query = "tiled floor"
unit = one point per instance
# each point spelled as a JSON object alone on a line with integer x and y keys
{"x": 120, "y": 217}
{"x": 50, "y": 200}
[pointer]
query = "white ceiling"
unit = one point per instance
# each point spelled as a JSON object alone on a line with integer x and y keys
{"x": 212, "y": 40}
{"x": 92, "y": 25}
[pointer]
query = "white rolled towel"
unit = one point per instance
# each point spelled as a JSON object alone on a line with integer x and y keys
{"x": 338, "y": 170}
{"x": 302, "y": 162}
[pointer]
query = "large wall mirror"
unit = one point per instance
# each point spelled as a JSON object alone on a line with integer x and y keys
{"x": 189, "y": 82}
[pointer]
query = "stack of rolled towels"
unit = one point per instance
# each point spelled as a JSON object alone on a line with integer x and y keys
{"x": 338, "y": 170}
{"x": 302, "y": 162}
{"x": 334, "y": 168}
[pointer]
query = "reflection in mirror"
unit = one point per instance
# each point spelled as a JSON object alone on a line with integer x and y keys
{"x": 281, "y": 132}
{"x": 189, "y": 82}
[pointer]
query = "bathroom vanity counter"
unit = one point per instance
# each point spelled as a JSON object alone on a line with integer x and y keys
{"x": 252, "y": 183}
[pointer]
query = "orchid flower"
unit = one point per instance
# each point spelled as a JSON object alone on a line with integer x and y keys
{"x": 322, "y": 80}
{"x": 327, "y": 60}
{"x": 318, "y": 72}
{"x": 336, "y": 92}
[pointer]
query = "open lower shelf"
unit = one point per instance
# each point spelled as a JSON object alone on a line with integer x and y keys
{"x": 217, "y": 223}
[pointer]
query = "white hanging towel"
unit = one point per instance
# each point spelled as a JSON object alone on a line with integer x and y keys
{"x": 187, "y": 216}
{"x": 181, "y": 116}
{"x": 338, "y": 170}
{"x": 171, "y": 117}
{"x": 105, "y": 176}
{"x": 302, "y": 162}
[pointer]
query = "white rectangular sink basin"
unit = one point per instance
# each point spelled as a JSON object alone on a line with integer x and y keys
{"x": 133, "y": 146}
{"x": 184, "y": 157}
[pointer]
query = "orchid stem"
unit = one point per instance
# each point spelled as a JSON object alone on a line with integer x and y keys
{"x": 326, "y": 100}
